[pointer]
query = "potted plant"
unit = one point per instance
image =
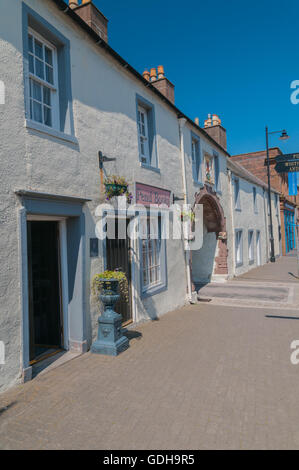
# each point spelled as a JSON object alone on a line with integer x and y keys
{"x": 117, "y": 186}
{"x": 110, "y": 283}
{"x": 110, "y": 286}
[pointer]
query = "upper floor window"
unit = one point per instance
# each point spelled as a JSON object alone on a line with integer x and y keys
{"x": 209, "y": 168}
{"x": 146, "y": 133}
{"x": 254, "y": 200}
{"x": 237, "y": 193}
{"x": 43, "y": 81}
{"x": 47, "y": 77}
{"x": 195, "y": 152}
{"x": 217, "y": 172}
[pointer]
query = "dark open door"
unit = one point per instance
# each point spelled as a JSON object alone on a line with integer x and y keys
{"x": 118, "y": 257}
{"x": 44, "y": 287}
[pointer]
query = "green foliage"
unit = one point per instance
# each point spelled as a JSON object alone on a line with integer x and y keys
{"x": 117, "y": 186}
{"x": 98, "y": 282}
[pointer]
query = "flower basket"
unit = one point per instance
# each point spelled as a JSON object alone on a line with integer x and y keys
{"x": 116, "y": 186}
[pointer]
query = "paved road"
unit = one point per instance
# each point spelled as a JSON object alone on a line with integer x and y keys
{"x": 203, "y": 377}
{"x": 271, "y": 286}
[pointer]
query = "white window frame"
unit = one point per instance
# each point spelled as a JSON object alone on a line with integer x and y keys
{"x": 143, "y": 138}
{"x": 154, "y": 241}
{"x": 239, "y": 247}
{"x": 54, "y": 88}
{"x": 250, "y": 246}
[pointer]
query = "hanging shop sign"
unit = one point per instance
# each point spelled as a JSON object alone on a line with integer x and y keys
{"x": 150, "y": 195}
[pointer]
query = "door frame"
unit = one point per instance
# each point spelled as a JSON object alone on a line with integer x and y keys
{"x": 132, "y": 250}
{"x": 62, "y": 272}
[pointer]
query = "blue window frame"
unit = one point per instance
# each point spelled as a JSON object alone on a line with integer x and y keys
{"x": 146, "y": 131}
{"x": 196, "y": 158}
{"x": 217, "y": 172}
{"x": 237, "y": 198}
{"x": 255, "y": 208}
{"x": 33, "y": 24}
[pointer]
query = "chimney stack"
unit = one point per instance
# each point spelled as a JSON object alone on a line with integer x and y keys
{"x": 161, "y": 82}
{"x": 214, "y": 128}
{"x": 89, "y": 13}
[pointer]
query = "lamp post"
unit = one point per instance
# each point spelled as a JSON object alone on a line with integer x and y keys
{"x": 283, "y": 136}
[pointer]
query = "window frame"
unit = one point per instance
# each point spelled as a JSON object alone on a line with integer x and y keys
{"x": 154, "y": 288}
{"x": 53, "y": 87}
{"x": 197, "y": 161}
{"x": 39, "y": 26}
{"x": 239, "y": 262}
{"x": 251, "y": 246}
{"x": 152, "y": 162}
{"x": 237, "y": 197}
{"x": 254, "y": 195}
{"x": 142, "y": 111}
{"x": 217, "y": 172}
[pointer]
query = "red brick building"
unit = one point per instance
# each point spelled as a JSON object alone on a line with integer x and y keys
{"x": 255, "y": 162}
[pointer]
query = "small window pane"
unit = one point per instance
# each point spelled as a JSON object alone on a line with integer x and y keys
{"x": 47, "y": 116}
{"x": 31, "y": 64}
{"x": 37, "y": 112}
{"x": 47, "y": 95}
{"x": 39, "y": 68}
{"x": 30, "y": 43}
{"x": 39, "y": 49}
{"x": 37, "y": 91}
{"x": 48, "y": 56}
{"x": 49, "y": 74}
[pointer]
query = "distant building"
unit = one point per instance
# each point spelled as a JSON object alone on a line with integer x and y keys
{"x": 255, "y": 162}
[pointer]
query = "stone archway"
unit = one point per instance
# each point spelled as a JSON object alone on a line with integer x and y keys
{"x": 211, "y": 259}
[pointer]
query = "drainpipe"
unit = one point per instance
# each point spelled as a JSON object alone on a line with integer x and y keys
{"x": 229, "y": 175}
{"x": 266, "y": 226}
{"x": 182, "y": 122}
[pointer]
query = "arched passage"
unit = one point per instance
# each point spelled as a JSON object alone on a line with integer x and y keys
{"x": 211, "y": 259}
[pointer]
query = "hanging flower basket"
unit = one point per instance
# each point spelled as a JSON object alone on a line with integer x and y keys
{"x": 116, "y": 186}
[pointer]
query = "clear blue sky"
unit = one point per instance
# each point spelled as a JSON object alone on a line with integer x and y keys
{"x": 233, "y": 58}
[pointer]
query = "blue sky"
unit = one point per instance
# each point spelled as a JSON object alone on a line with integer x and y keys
{"x": 233, "y": 58}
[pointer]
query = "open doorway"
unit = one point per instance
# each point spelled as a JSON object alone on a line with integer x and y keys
{"x": 45, "y": 298}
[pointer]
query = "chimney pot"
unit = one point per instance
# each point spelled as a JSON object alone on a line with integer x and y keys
{"x": 196, "y": 120}
{"x": 160, "y": 71}
{"x": 73, "y": 3}
{"x": 153, "y": 74}
{"x": 146, "y": 75}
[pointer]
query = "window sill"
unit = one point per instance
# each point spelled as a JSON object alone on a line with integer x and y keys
{"x": 149, "y": 167}
{"x": 239, "y": 264}
{"x": 153, "y": 290}
{"x": 41, "y": 129}
{"x": 198, "y": 183}
{"x": 238, "y": 209}
{"x": 251, "y": 261}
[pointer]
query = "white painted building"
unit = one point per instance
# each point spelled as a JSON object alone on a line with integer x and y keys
{"x": 250, "y": 219}
{"x": 69, "y": 96}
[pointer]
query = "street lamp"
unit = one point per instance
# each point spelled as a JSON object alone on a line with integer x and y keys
{"x": 283, "y": 136}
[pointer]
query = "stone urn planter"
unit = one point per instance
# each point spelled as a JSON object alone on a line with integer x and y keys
{"x": 110, "y": 340}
